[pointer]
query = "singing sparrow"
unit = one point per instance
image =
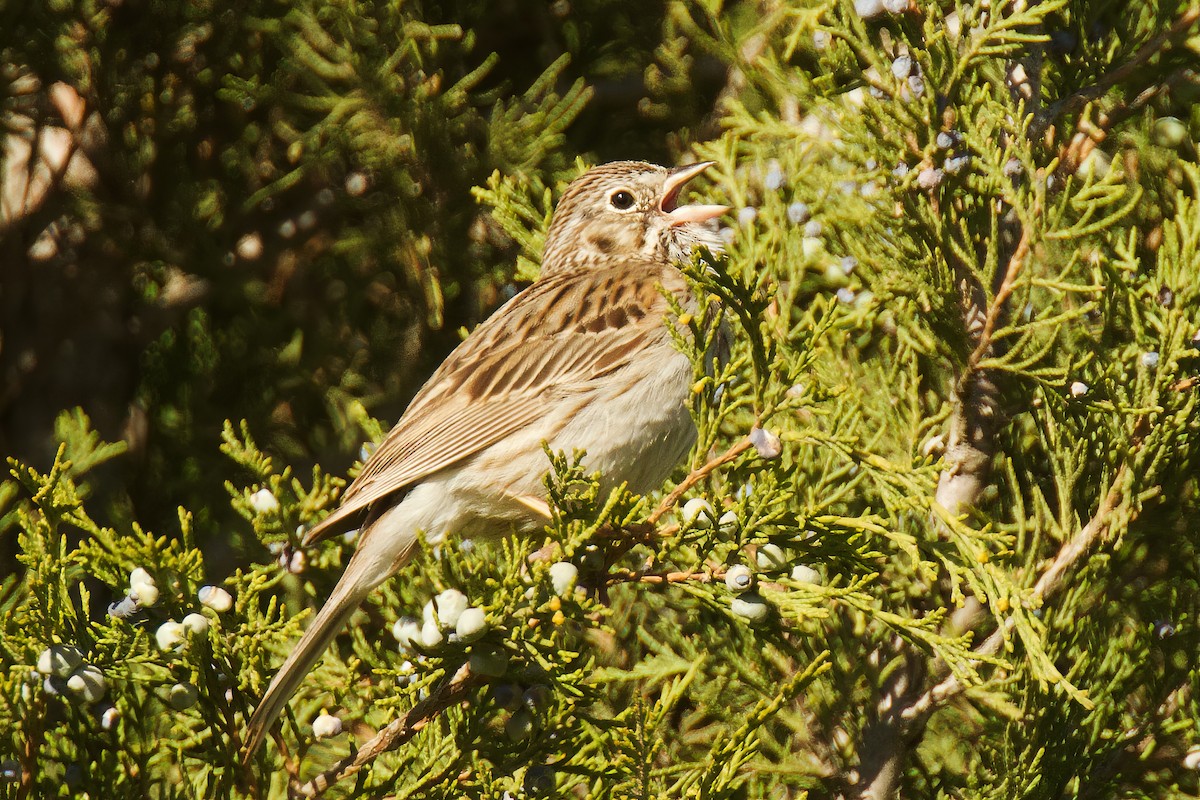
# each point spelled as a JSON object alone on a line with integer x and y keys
{"x": 581, "y": 360}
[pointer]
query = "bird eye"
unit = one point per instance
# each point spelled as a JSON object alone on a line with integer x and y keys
{"x": 621, "y": 200}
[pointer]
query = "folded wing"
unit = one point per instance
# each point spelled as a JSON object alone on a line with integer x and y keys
{"x": 550, "y": 342}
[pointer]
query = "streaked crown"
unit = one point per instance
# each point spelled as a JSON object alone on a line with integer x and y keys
{"x": 626, "y": 209}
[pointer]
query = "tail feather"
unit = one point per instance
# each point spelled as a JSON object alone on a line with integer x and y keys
{"x": 349, "y": 593}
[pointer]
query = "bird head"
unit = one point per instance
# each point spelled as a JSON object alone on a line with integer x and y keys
{"x": 625, "y": 209}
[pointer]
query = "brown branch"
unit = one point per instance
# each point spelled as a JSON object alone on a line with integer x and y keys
{"x": 900, "y": 729}
{"x": 695, "y": 476}
{"x": 1048, "y": 585}
{"x": 969, "y": 452}
{"x": 395, "y": 734}
{"x": 1186, "y": 383}
{"x": 999, "y": 304}
{"x": 636, "y": 576}
{"x": 1092, "y": 133}
{"x": 1075, "y": 102}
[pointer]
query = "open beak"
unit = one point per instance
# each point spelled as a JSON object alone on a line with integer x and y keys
{"x": 680, "y": 215}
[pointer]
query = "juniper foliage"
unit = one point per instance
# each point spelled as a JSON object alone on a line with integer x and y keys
{"x": 954, "y": 448}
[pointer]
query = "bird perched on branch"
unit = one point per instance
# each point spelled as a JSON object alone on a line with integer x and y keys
{"x": 581, "y": 360}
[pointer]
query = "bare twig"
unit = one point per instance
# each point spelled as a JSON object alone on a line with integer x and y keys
{"x": 887, "y": 740}
{"x": 1075, "y": 102}
{"x": 635, "y": 576}
{"x": 695, "y": 476}
{"x": 1048, "y": 584}
{"x": 395, "y": 734}
{"x": 1092, "y": 133}
{"x": 999, "y": 305}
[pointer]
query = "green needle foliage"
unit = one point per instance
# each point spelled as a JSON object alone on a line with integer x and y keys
{"x": 952, "y": 456}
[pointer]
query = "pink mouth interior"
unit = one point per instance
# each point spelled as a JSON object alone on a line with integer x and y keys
{"x": 671, "y": 199}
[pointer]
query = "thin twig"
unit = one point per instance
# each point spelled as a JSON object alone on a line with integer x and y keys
{"x": 695, "y": 476}
{"x": 885, "y": 743}
{"x": 395, "y": 734}
{"x": 1076, "y": 101}
{"x": 999, "y": 304}
{"x": 1091, "y": 134}
{"x": 1048, "y": 585}
{"x": 635, "y": 576}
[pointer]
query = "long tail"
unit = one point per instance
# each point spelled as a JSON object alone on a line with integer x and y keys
{"x": 386, "y": 544}
{"x": 351, "y": 590}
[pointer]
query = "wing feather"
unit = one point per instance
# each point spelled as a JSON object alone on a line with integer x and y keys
{"x": 507, "y": 372}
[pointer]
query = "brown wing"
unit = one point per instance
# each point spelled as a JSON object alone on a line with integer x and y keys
{"x": 547, "y": 343}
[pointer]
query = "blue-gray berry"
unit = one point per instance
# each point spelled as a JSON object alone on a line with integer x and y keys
{"x": 956, "y": 164}
{"x": 751, "y": 607}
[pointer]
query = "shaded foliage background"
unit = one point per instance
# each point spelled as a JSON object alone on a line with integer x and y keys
{"x": 268, "y": 213}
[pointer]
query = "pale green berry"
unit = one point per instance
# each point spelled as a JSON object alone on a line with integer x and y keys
{"x": 698, "y": 513}
{"x": 431, "y": 635}
{"x": 472, "y": 624}
{"x": 406, "y": 631}
{"x": 59, "y": 660}
{"x": 182, "y": 696}
{"x": 263, "y": 501}
{"x": 563, "y": 575}
{"x": 447, "y": 605}
{"x": 142, "y": 588}
{"x": 729, "y": 523}
{"x": 751, "y": 607}
{"x": 110, "y": 718}
{"x": 326, "y": 725}
{"x": 216, "y": 598}
{"x": 196, "y": 623}
{"x": 1169, "y": 132}
{"x": 1095, "y": 164}
{"x": 145, "y": 594}
{"x": 805, "y": 574}
{"x": 770, "y": 556}
{"x": 88, "y": 684}
{"x": 171, "y": 636}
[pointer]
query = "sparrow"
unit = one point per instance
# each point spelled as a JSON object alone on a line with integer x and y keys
{"x": 582, "y": 359}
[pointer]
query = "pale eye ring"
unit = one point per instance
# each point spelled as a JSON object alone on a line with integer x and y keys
{"x": 621, "y": 200}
